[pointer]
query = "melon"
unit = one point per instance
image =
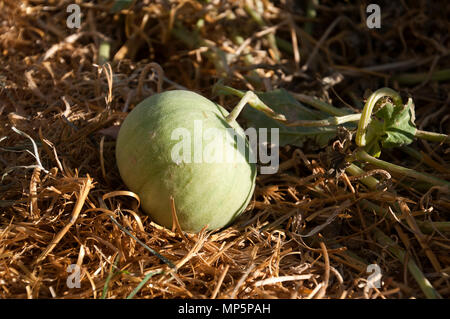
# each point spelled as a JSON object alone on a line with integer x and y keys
{"x": 165, "y": 148}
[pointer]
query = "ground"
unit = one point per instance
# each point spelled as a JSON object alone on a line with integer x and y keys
{"x": 308, "y": 232}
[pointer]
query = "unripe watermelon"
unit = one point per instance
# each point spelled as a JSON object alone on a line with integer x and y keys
{"x": 205, "y": 193}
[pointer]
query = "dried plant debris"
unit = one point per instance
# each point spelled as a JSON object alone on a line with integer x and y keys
{"x": 311, "y": 231}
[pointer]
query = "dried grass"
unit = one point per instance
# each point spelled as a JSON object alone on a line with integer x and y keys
{"x": 305, "y": 235}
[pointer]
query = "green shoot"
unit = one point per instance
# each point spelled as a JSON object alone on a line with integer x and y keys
{"x": 366, "y": 117}
{"x": 110, "y": 276}
{"x": 162, "y": 258}
{"x": 143, "y": 282}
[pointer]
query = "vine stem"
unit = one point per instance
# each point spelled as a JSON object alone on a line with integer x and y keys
{"x": 432, "y": 136}
{"x": 254, "y": 101}
{"x": 364, "y": 119}
{"x": 248, "y": 97}
{"x": 340, "y": 116}
{"x": 319, "y": 104}
{"x": 366, "y": 115}
{"x": 334, "y": 120}
{"x": 369, "y": 181}
{"x": 362, "y": 155}
{"x": 238, "y": 108}
{"x": 425, "y": 285}
{"x": 416, "y": 78}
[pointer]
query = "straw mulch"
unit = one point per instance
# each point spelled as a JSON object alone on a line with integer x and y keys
{"x": 306, "y": 234}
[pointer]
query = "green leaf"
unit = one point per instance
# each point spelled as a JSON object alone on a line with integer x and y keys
{"x": 393, "y": 126}
{"x": 282, "y": 102}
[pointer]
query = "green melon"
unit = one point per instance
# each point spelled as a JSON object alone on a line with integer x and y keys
{"x": 206, "y": 192}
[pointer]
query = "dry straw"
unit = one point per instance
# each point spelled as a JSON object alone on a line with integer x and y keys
{"x": 306, "y": 233}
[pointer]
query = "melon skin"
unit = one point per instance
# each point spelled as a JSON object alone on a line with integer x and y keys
{"x": 212, "y": 194}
